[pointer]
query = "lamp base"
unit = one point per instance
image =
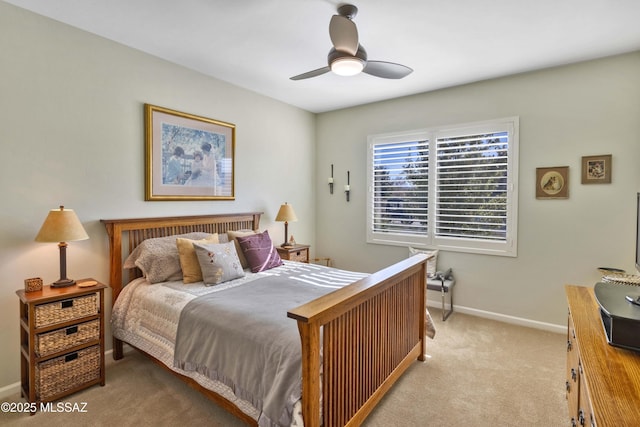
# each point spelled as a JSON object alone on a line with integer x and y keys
{"x": 63, "y": 283}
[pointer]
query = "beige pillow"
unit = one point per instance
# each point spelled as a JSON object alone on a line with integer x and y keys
{"x": 191, "y": 271}
{"x": 233, "y": 235}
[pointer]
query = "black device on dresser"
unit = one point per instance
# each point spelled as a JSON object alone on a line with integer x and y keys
{"x": 619, "y": 299}
{"x": 620, "y": 313}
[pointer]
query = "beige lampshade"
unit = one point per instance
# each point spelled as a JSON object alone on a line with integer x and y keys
{"x": 61, "y": 225}
{"x": 286, "y": 214}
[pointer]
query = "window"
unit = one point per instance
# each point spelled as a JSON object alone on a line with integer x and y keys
{"x": 452, "y": 188}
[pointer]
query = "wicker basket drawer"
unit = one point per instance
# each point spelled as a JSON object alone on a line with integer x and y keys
{"x": 60, "y": 339}
{"x": 69, "y": 309}
{"x": 64, "y": 373}
{"x": 300, "y": 256}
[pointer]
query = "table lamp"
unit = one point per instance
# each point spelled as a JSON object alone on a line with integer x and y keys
{"x": 286, "y": 214}
{"x": 62, "y": 226}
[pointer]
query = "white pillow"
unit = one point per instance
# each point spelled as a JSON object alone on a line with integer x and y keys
{"x": 431, "y": 262}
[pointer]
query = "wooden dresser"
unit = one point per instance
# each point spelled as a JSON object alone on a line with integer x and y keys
{"x": 603, "y": 382}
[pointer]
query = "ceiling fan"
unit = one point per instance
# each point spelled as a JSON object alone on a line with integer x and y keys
{"x": 347, "y": 57}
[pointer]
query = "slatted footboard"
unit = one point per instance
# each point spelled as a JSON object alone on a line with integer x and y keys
{"x": 369, "y": 333}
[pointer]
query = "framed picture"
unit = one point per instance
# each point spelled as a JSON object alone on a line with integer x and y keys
{"x": 188, "y": 157}
{"x": 596, "y": 169}
{"x": 552, "y": 183}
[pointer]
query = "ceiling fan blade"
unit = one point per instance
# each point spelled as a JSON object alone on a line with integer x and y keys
{"x": 387, "y": 70}
{"x": 310, "y": 74}
{"x": 344, "y": 34}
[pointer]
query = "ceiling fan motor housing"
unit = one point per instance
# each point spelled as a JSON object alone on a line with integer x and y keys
{"x": 348, "y": 10}
{"x": 334, "y": 54}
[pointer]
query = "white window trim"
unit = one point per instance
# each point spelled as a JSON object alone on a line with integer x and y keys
{"x": 509, "y": 247}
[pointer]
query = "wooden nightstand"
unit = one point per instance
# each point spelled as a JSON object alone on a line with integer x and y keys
{"x": 61, "y": 340}
{"x": 298, "y": 253}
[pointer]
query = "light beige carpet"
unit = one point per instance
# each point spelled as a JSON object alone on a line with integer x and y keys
{"x": 480, "y": 373}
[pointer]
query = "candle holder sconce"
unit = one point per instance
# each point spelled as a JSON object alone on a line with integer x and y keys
{"x": 347, "y": 188}
{"x": 331, "y": 181}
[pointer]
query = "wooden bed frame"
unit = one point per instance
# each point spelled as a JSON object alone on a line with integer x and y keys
{"x": 370, "y": 332}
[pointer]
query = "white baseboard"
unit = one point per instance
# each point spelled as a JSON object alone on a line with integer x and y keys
{"x": 520, "y": 321}
{"x": 9, "y": 390}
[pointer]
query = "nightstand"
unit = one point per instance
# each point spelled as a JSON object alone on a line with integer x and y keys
{"x": 298, "y": 253}
{"x": 61, "y": 340}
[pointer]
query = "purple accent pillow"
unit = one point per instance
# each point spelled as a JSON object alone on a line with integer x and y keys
{"x": 259, "y": 252}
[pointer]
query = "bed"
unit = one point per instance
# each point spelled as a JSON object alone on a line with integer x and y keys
{"x": 353, "y": 342}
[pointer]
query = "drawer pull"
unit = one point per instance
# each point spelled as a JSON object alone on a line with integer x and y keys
{"x": 72, "y": 330}
{"x": 67, "y": 303}
{"x": 71, "y": 357}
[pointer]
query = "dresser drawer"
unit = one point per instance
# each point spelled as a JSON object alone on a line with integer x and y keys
{"x": 61, "y": 374}
{"x": 61, "y": 339}
{"x": 300, "y": 256}
{"x": 65, "y": 310}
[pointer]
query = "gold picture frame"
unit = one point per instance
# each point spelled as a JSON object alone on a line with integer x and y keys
{"x": 552, "y": 182}
{"x": 188, "y": 157}
{"x": 596, "y": 169}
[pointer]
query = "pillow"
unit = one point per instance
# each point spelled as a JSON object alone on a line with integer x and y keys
{"x": 431, "y": 263}
{"x": 233, "y": 236}
{"x": 259, "y": 251}
{"x": 158, "y": 257}
{"x": 219, "y": 262}
{"x": 189, "y": 263}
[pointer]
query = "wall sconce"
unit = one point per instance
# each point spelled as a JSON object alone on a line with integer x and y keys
{"x": 331, "y": 180}
{"x": 62, "y": 225}
{"x": 347, "y": 188}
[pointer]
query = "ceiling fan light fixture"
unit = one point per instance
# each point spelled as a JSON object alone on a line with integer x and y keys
{"x": 347, "y": 66}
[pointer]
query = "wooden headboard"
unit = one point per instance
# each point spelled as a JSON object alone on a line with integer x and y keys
{"x": 126, "y": 234}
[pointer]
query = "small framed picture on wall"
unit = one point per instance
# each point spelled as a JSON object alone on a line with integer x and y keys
{"x": 596, "y": 169}
{"x": 552, "y": 182}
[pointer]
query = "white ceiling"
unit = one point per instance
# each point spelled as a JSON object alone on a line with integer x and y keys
{"x": 259, "y": 44}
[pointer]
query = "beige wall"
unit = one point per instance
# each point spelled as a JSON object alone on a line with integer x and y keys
{"x": 565, "y": 113}
{"x": 71, "y": 132}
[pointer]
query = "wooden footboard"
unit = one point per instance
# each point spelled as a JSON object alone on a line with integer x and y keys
{"x": 369, "y": 333}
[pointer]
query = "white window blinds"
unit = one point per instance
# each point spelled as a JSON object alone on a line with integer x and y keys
{"x": 472, "y": 186}
{"x": 452, "y": 188}
{"x": 401, "y": 187}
